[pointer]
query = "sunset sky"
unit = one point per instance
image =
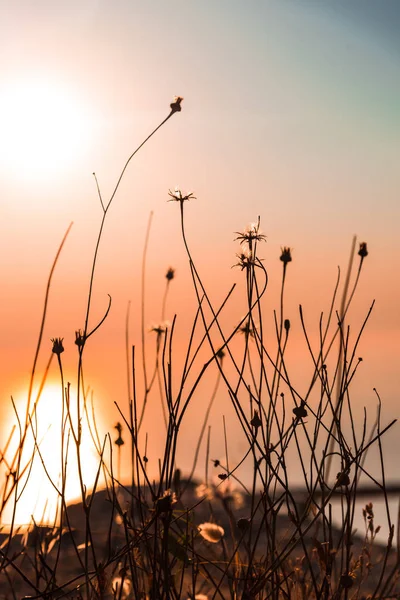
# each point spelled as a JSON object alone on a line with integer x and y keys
{"x": 291, "y": 112}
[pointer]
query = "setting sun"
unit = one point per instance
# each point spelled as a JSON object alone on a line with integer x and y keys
{"x": 37, "y": 496}
{"x": 45, "y": 127}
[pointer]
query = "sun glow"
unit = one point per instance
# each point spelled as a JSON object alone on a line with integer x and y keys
{"x": 37, "y": 493}
{"x": 45, "y": 127}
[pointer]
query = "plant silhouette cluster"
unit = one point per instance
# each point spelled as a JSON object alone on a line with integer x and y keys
{"x": 182, "y": 538}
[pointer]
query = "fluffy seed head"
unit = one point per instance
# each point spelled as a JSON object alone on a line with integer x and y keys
{"x": 211, "y": 532}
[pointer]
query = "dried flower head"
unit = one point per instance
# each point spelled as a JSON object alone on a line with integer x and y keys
{"x": 170, "y": 274}
{"x": 250, "y": 233}
{"x": 286, "y": 255}
{"x": 211, "y": 532}
{"x": 160, "y": 328}
{"x": 121, "y": 586}
{"x": 204, "y": 491}
{"x": 176, "y": 104}
{"x": 363, "y": 252}
{"x": 347, "y": 580}
{"x": 79, "y": 338}
{"x": 342, "y": 478}
{"x": 234, "y": 496}
{"x": 221, "y": 489}
{"x": 247, "y": 330}
{"x": 119, "y": 441}
{"x": 300, "y": 411}
{"x": 57, "y": 345}
{"x": 220, "y": 354}
{"x": 165, "y": 502}
{"x": 243, "y": 524}
{"x": 178, "y": 196}
{"x": 256, "y": 421}
{"x": 368, "y": 512}
{"x": 245, "y": 258}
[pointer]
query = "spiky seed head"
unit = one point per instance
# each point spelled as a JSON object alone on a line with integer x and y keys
{"x": 286, "y": 255}
{"x": 57, "y": 345}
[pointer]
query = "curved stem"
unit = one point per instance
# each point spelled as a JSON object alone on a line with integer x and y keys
{"x": 105, "y": 211}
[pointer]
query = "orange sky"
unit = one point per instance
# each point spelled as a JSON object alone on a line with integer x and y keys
{"x": 290, "y": 113}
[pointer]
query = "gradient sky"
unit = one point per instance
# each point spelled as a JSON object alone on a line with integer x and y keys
{"x": 291, "y": 112}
